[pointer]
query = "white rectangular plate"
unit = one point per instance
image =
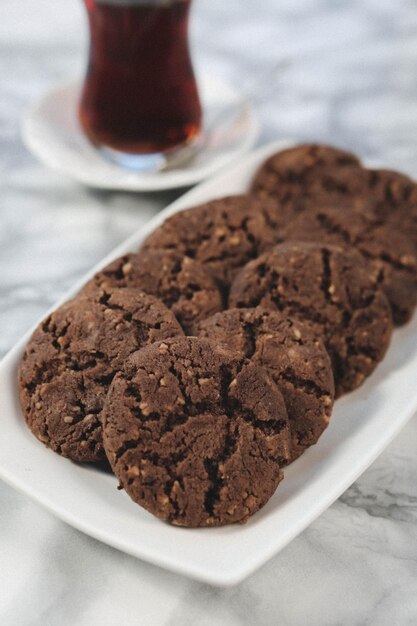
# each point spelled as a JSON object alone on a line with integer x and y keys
{"x": 362, "y": 425}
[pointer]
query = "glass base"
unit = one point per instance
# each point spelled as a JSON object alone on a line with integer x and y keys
{"x": 153, "y": 162}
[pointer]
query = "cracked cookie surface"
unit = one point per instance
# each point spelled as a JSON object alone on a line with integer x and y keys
{"x": 394, "y": 199}
{"x": 292, "y": 175}
{"x": 223, "y": 234}
{"x": 295, "y": 358}
{"x": 320, "y": 173}
{"x": 70, "y": 361}
{"x": 388, "y": 196}
{"x": 182, "y": 284}
{"x": 388, "y": 252}
{"x": 195, "y": 433}
{"x": 330, "y": 288}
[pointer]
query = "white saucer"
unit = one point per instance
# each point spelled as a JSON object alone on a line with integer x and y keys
{"x": 52, "y": 132}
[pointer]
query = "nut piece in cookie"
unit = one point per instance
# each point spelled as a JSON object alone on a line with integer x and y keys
{"x": 389, "y": 253}
{"x": 223, "y": 234}
{"x": 182, "y": 283}
{"x": 71, "y": 359}
{"x": 195, "y": 433}
{"x": 295, "y": 358}
{"x": 330, "y": 288}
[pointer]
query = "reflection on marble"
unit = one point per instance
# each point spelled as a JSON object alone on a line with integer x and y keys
{"x": 352, "y": 81}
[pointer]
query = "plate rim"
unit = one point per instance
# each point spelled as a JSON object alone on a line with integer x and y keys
{"x": 235, "y": 573}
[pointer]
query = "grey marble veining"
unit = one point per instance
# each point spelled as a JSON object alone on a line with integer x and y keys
{"x": 352, "y": 81}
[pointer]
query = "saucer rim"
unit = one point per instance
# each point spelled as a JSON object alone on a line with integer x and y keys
{"x": 136, "y": 181}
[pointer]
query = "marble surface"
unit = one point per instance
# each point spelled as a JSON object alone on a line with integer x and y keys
{"x": 351, "y": 80}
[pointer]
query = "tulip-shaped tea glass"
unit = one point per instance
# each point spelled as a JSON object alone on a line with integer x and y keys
{"x": 140, "y": 104}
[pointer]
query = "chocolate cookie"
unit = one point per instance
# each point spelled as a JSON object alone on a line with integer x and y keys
{"x": 182, "y": 284}
{"x": 294, "y": 357}
{"x": 291, "y": 175}
{"x": 196, "y": 434}
{"x": 319, "y": 173}
{"x": 388, "y": 252}
{"x": 71, "y": 359}
{"x": 394, "y": 198}
{"x": 390, "y": 190}
{"x": 390, "y": 196}
{"x": 223, "y": 234}
{"x": 329, "y": 287}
